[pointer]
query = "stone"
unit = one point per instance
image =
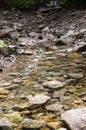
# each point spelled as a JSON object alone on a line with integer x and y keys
{"x": 46, "y": 29}
{"x": 37, "y": 100}
{"x": 7, "y": 50}
{"x": 62, "y": 129}
{"x": 76, "y": 75}
{"x": 75, "y": 119}
{"x": 82, "y": 48}
{"x": 4, "y": 91}
{"x": 54, "y": 107}
{"x": 33, "y": 124}
{"x": 58, "y": 94}
{"x": 53, "y": 84}
{"x": 54, "y": 125}
{"x": 33, "y": 34}
{"x": 5, "y": 124}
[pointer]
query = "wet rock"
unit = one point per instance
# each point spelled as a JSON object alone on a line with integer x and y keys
{"x": 17, "y": 108}
{"x": 54, "y": 107}
{"x": 44, "y": 128}
{"x": 82, "y": 48}
{"x": 14, "y": 117}
{"x": 58, "y": 94}
{"x": 5, "y": 124}
{"x": 33, "y": 34}
{"x": 26, "y": 52}
{"x": 75, "y": 119}
{"x": 7, "y": 50}
{"x": 46, "y": 29}
{"x": 54, "y": 125}
{"x": 62, "y": 129}
{"x": 70, "y": 37}
{"x": 32, "y": 124}
{"x": 76, "y": 75}
{"x": 53, "y": 84}
{"x": 37, "y": 100}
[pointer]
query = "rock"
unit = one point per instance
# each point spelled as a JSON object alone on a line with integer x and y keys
{"x": 33, "y": 34}
{"x": 75, "y": 119}
{"x": 54, "y": 107}
{"x": 46, "y": 29}
{"x": 54, "y": 125}
{"x": 76, "y": 75}
{"x": 33, "y": 124}
{"x": 82, "y": 48}
{"x": 17, "y": 108}
{"x": 62, "y": 129}
{"x": 37, "y": 100}
{"x": 26, "y": 52}
{"x": 58, "y": 94}
{"x": 70, "y": 37}
{"x": 53, "y": 84}
{"x": 4, "y": 91}
{"x": 7, "y": 50}
{"x": 14, "y": 117}
{"x": 5, "y": 124}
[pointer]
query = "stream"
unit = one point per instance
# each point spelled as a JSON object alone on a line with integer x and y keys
{"x": 25, "y": 77}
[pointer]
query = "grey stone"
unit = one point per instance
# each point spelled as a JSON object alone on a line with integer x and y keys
{"x": 54, "y": 107}
{"x": 75, "y": 119}
{"x": 35, "y": 101}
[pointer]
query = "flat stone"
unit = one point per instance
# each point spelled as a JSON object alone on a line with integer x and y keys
{"x": 39, "y": 99}
{"x": 58, "y": 94}
{"x": 53, "y": 84}
{"x": 33, "y": 124}
{"x": 75, "y": 119}
{"x": 54, "y": 107}
{"x": 75, "y": 75}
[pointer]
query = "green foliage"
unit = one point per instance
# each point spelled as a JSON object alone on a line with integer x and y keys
{"x": 73, "y": 3}
{"x": 2, "y": 43}
{"x": 26, "y": 4}
{"x": 29, "y": 4}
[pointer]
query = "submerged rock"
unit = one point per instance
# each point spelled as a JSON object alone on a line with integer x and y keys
{"x": 35, "y": 101}
{"x": 75, "y": 119}
{"x": 54, "y": 107}
{"x": 4, "y": 91}
{"x": 33, "y": 124}
{"x": 76, "y": 75}
{"x": 53, "y": 84}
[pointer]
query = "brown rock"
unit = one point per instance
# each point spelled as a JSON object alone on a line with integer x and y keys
{"x": 4, "y": 91}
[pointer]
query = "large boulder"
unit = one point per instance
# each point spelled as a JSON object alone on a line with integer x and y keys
{"x": 75, "y": 119}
